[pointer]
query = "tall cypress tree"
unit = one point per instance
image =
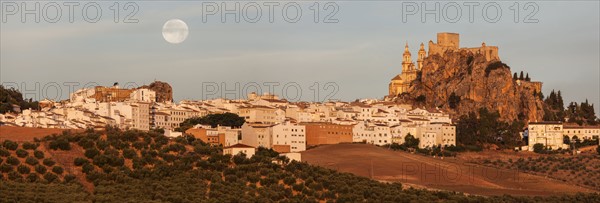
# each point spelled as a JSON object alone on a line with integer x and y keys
{"x": 521, "y": 76}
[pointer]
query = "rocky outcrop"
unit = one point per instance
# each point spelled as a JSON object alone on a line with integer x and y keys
{"x": 478, "y": 82}
{"x": 164, "y": 91}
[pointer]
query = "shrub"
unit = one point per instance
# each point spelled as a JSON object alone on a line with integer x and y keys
{"x": 21, "y": 153}
{"x": 101, "y": 144}
{"x": 4, "y": 152}
{"x": 15, "y": 176}
{"x": 69, "y": 178}
{"x": 31, "y": 161}
{"x": 38, "y": 154}
{"x": 538, "y": 148}
{"x": 493, "y": 66}
{"x": 40, "y": 169}
{"x": 13, "y": 161}
{"x": 57, "y": 169}
{"x": 23, "y": 169}
{"x": 49, "y": 162}
{"x": 29, "y": 145}
{"x": 32, "y": 177}
{"x": 86, "y": 168}
{"x": 91, "y": 153}
{"x": 86, "y": 143}
{"x": 60, "y": 143}
{"x": 421, "y": 99}
{"x": 129, "y": 153}
{"x": 50, "y": 177}
{"x": 10, "y": 145}
{"x": 5, "y": 168}
{"x": 101, "y": 160}
{"x": 80, "y": 161}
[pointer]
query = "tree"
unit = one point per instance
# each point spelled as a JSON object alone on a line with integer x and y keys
{"x": 57, "y": 169}
{"x": 521, "y": 76}
{"x": 21, "y": 153}
{"x": 453, "y": 100}
{"x": 60, "y": 143}
{"x": 31, "y": 161}
{"x": 566, "y": 139}
{"x": 13, "y": 161}
{"x": 40, "y": 169}
{"x": 421, "y": 99}
{"x": 411, "y": 141}
{"x": 38, "y": 154}
{"x": 91, "y": 153}
{"x": 23, "y": 169}
{"x": 515, "y": 76}
{"x": 214, "y": 120}
{"x": 538, "y": 148}
{"x": 10, "y": 145}
{"x": 29, "y": 145}
{"x": 48, "y": 162}
{"x": 50, "y": 177}
{"x": 80, "y": 161}
{"x": 527, "y": 78}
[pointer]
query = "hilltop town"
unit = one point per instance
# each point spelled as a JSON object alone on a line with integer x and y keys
{"x": 286, "y": 126}
{"x": 449, "y": 120}
{"x": 269, "y": 121}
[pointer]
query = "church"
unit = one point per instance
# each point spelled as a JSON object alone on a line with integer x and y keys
{"x": 402, "y": 81}
{"x": 445, "y": 42}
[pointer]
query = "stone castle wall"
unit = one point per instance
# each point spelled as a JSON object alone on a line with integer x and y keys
{"x": 451, "y": 41}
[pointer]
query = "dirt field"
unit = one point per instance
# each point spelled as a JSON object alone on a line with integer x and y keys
{"x": 22, "y": 134}
{"x": 434, "y": 173}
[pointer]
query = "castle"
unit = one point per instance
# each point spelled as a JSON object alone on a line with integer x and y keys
{"x": 445, "y": 42}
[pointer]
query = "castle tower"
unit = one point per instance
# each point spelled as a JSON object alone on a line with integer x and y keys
{"x": 421, "y": 57}
{"x": 407, "y": 64}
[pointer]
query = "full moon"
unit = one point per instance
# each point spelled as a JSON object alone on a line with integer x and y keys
{"x": 175, "y": 31}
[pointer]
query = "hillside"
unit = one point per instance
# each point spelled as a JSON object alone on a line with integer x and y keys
{"x": 135, "y": 166}
{"x": 426, "y": 172}
{"x": 460, "y": 82}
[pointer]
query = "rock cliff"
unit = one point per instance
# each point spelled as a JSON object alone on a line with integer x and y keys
{"x": 164, "y": 91}
{"x": 477, "y": 82}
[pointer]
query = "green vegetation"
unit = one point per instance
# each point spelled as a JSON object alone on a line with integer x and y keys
{"x": 10, "y": 145}
{"x": 453, "y": 100}
{"x": 21, "y": 153}
{"x": 412, "y": 143}
{"x": 555, "y": 107}
{"x": 474, "y": 131}
{"x": 214, "y": 120}
{"x": 495, "y": 65}
{"x": 29, "y": 145}
{"x": 9, "y": 97}
{"x": 538, "y": 148}
{"x": 187, "y": 170}
{"x": 582, "y": 170}
{"x": 421, "y": 99}
{"x": 582, "y": 113}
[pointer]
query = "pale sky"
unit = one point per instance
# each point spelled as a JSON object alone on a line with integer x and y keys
{"x": 360, "y": 53}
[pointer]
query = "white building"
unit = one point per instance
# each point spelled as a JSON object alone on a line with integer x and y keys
{"x": 257, "y": 135}
{"x": 549, "y": 134}
{"x": 372, "y": 133}
{"x": 236, "y": 149}
{"x": 288, "y": 137}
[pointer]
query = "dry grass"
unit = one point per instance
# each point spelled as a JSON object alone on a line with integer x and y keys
{"x": 454, "y": 174}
